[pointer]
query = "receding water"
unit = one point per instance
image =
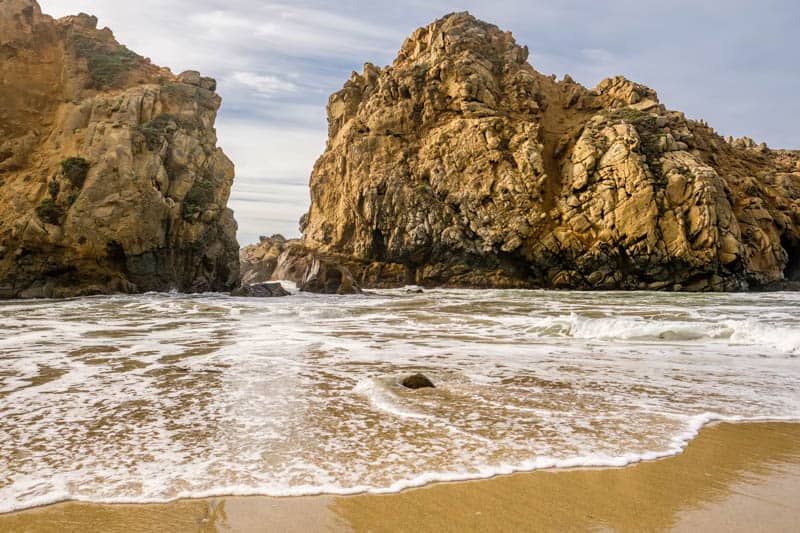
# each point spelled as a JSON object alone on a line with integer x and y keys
{"x": 155, "y": 397}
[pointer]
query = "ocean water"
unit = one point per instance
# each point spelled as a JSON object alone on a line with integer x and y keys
{"x": 161, "y": 396}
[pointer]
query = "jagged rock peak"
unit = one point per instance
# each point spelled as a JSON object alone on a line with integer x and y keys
{"x": 620, "y": 92}
{"x": 456, "y": 34}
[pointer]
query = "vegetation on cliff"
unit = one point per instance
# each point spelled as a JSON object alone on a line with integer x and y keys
{"x": 107, "y": 63}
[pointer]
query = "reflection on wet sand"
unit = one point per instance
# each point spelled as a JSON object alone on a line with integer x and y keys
{"x": 733, "y": 477}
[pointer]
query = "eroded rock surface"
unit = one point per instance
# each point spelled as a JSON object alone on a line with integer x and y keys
{"x": 466, "y": 167}
{"x": 110, "y": 174}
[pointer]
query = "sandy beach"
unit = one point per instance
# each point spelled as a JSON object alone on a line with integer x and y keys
{"x": 733, "y": 477}
{"x": 380, "y": 266}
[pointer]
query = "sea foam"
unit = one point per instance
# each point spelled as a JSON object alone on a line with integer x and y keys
{"x": 157, "y": 397}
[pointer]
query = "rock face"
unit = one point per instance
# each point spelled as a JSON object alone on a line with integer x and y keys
{"x": 110, "y": 176}
{"x": 464, "y": 166}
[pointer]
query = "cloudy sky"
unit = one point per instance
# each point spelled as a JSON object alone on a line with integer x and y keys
{"x": 733, "y": 63}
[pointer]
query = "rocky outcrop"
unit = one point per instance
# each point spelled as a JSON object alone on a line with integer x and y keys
{"x": 259, "y": 261}
{"x": 110, "y": 174}
{"x": 466, "y": 167}
{"x": 276, "y": 258}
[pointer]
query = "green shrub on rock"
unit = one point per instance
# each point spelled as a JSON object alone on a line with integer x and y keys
{"x": 158, "y": 129}
{"x": 201, "y": 193}
{"x": 53, "y": 188}
{"x": 190, "y": 211}
{"x": 75, "y": 169}
{"x": 48, "y": 211}
{"x": 107, "y": 65}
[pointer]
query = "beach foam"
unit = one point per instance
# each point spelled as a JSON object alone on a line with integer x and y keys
{"x": 157, "y": 397}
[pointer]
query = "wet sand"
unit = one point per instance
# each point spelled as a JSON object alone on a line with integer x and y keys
{"x": 733, "y": 477}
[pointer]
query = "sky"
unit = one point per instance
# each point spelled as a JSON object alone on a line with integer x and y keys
{"x": 733, "y": 63}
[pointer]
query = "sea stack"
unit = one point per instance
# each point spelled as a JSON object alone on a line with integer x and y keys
{"x": 110, "y": 175}
{"x": 461, "y": 165}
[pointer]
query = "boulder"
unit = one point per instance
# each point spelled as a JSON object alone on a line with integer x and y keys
{"x": 418, "y": 381}
{"x": 325, "y": 277}
{"x": 261, "y": 290}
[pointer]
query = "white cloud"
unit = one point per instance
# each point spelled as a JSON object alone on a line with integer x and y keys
{"x": 293, "y": 31}
{"x": 264, "y": 85}
{"x": 271, "y": 150}
{"x": 219, "y": 20}
{"x": 273, "y": 167}
{"x": 263, "y": 207}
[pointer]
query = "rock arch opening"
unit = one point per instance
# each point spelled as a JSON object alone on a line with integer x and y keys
{"x": 792, "y": 270}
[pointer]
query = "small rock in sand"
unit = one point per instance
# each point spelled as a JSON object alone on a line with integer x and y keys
{"x": 418, "y": 381}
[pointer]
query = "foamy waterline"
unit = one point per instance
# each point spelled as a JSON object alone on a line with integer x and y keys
{"x": 681, "y": 441}
{"x": 155, "y": 398}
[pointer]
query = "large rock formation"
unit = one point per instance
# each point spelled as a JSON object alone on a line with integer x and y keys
{"x": 467, "y": 167}
{"x": 110, "y": 177}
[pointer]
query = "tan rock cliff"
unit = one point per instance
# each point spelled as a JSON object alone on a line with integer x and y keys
{"x": 110, "y": 174}
{"x": 466, "y": 166}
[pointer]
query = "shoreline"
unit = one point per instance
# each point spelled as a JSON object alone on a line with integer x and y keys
{"x": 681, "y": 441}
{"x": 747, "y": 456}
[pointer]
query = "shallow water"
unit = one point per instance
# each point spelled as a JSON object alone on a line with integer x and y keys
{"x": 154, "y": 397}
